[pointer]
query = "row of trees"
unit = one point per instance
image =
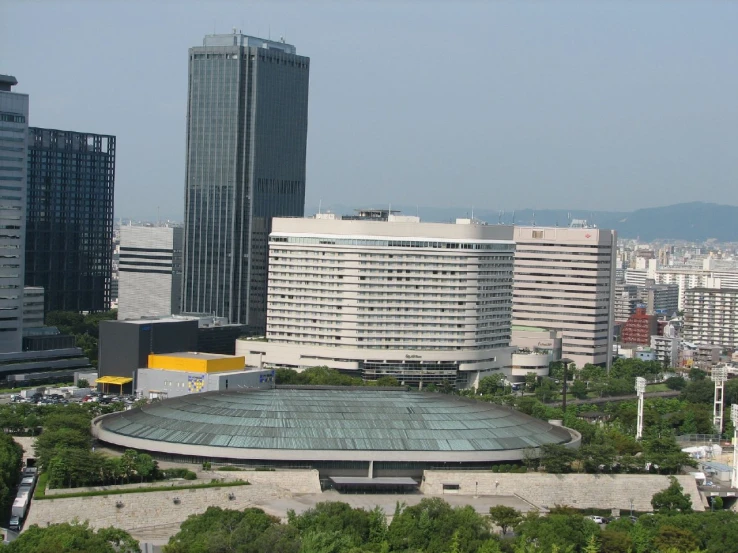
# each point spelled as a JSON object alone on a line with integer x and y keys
{"x": 11, "y": 457}
{"x": 64, "y": 451}
{"x": 434, "y": 526}
{"x": 323, "y": 376}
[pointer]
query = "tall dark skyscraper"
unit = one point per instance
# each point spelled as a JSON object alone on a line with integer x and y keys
{"x": 247, "y": 119}
{"x": 69, "y": 226}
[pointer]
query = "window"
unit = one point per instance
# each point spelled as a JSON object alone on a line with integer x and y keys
{"x": 537, "y": 234}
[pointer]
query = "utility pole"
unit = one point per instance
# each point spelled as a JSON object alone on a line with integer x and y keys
{"x": 563, "y": 402}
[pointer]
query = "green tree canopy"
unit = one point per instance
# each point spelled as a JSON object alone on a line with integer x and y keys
{"x": 672, "y": 500}
{"x": 73, "y": 538}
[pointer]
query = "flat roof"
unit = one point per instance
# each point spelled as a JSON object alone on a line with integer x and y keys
{"x": 366, "y": 481}
{"x": 196, "y": 355}
{"x": 117, "y": 380}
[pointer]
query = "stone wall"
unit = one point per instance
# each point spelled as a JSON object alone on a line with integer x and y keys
{"x": 582, "y": 491}
{"x": 148, "y": 509}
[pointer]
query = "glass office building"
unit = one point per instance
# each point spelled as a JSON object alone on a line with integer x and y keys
{"x": 246, "y": 147}
{"x": 69, "y": 231}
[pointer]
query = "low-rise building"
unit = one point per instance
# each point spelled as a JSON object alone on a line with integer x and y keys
{"x": 639, "y": 328}
{"x": 182, "y": 373}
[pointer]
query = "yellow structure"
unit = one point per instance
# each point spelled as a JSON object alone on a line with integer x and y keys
{"x": 193, "y": 362}
{"x": 106, "y": 381}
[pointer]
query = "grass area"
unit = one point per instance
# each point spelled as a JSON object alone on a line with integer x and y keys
{"x": 43, "y": 481}
{"x": 144, "y": 490}
{"x": 657, "y": 388}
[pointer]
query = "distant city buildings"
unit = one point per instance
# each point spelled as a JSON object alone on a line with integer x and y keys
{"x": 69, "y": 231}
{"x": 150, "y": 271}
{"x": 565, "y": 281}
{"x": 13, "y": 191}
{"x": 425, "y": 303}
{"x": 246, "y": 149}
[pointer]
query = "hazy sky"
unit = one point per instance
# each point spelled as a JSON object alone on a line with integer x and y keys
{"x": 502, "y": 105}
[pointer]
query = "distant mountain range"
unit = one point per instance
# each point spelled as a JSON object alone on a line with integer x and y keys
{"x": 694, "y": 222}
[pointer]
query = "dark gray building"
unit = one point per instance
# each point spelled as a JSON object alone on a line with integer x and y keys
{"x": 247, "y": 118}
{"x": 125, "y": 345}
{"x": 69, "y": 226}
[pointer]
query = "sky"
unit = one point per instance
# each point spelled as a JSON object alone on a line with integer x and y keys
{"x": 494, "y": 105}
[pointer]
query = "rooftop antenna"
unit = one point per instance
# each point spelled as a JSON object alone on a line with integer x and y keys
{"x": 270, "y": 32}
{"x": 472, "y": 217}
{"x": 158, "y": 217}
{"x": 513, "y": 219}
{"x": 320, "y": 206}
{"x": 534, "y": 218}
{"x": 499, "y": 218}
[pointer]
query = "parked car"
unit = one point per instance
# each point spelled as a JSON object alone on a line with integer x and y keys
{"x": 14, "y": 524}
{"x": 597, "y": 519}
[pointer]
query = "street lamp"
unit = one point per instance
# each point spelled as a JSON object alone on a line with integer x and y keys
{"x": 719, "y": 376}
{"x": 640, "y": 389}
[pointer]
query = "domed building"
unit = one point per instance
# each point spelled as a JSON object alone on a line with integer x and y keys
{"x": 339, "y": 431}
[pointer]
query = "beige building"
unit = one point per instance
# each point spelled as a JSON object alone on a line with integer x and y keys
{"x": 564, "y": 281}
{"x": 424, "y": 302}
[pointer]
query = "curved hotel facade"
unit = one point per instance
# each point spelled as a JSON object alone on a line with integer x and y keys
{"x": 423, "y": 302}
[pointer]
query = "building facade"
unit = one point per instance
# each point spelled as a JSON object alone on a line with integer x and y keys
{"x": 33, "y": 307}
{"x": 711, "y": 317}
{"x": 639, "y": 328}
{"x": 69, "y": 235}
{"x": 150, "y": 272}
{"x": 564, "y": 281}
{"x": 13, "y": 194}
{"x": 423, "y": 302}
{"x": 246, "y": 149}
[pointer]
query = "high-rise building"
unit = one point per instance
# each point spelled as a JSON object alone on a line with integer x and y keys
{"x": 247, "y": 114}
{"x": 13, "y": 190}
{"x": 423, "y": 302}
{"x": 711, "y": 316}
{"x": 150, "y": 271}
{"x": 69, "y": 234}
{"x": 564, "y": 281}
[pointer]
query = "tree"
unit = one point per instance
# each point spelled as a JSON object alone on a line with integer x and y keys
{"x": 558, "y": 530}
{"x": 82, "y": 383}
{"x": 505, "y": 517}
{"x": 556, "y": 458}
{"x": 598, "y": 457}
{"x": 73, "y": 538}
{"x": 229, "y": 531}
{"x": 547, "y": 391}
{"x": 672, "y": 499}
{"x": 699, "y": 391}
{"x": 675, "y": 383}
{"x": 613, "y": 541}
{"x": 671, "y": 537}
{"x": 531, "y": 381}
{"x": 578, "y": 389}
{"x": 695, "y": 375}
{"x": 489, "y": 385}
{"x": 387, "y": 381}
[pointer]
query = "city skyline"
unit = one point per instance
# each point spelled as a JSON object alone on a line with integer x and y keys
{"x": 408, "y": 98}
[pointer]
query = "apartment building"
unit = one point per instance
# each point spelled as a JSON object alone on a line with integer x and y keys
{"x": 423, "y": 302}
{"x": 711, "y": 316}
{"x": 564, "y": 280}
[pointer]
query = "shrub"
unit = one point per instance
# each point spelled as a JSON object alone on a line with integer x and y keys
{"x": 178, "y": 473}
